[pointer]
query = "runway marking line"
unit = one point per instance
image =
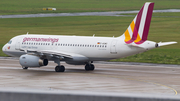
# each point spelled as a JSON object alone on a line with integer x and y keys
{"x": 138, "y": 80}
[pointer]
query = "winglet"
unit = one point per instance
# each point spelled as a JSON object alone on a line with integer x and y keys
{"x": 138, "y": 30}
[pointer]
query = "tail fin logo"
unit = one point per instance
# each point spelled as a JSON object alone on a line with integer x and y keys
{"x": 138, "y": 30}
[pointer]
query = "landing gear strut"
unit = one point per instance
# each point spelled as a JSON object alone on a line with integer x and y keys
{"x": 89, "y": 67}
{"x": 59, "y": 68}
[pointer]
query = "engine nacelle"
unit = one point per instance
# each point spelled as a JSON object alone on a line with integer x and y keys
{"x": 32, "y": 61}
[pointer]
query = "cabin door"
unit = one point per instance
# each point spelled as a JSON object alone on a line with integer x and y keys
{"x": 113, "y": 47}
{"x": 18, "y": 42}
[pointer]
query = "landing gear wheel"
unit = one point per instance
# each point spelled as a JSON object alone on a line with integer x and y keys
{"x": 25, "y": 67}
{"x": 60, "y": 68}
{"x": 89, "y": 67}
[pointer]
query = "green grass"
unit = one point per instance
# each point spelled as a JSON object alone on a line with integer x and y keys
{"x": 35, "y": 6}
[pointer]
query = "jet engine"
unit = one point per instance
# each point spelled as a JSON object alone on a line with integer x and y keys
{"x": 32, "y": 61}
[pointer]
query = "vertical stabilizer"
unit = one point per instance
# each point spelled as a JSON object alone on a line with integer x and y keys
{"x": 138, "y": 30}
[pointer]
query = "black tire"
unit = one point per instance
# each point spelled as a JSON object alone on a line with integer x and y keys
{"x": 60, "y": 68}
{"x": 89, "y": 67}
{"x": 92, "y": 67}
{"x": 25, "y": 67}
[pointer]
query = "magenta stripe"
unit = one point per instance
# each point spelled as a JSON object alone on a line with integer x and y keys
{"x": 137, "y": 24}
{"x": 136, "y": 27}
{"x": 140, "y": 42}
{"x": 147, "y": 22}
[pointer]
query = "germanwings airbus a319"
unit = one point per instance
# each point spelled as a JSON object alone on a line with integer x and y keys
{"x": 37, "y": 50}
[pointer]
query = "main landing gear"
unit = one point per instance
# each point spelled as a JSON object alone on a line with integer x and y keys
{"x": 89, "y": 67}
{"x": 59, "y": 68}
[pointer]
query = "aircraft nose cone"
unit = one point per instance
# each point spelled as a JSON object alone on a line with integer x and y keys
{"x": 4, "y": 49}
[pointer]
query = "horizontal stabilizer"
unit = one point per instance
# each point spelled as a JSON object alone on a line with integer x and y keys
{"x": 166, "y": 43}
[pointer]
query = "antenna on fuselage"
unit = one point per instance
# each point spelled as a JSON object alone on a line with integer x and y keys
{"x": 27, "y": 33}
{"x": 93, "y": 35}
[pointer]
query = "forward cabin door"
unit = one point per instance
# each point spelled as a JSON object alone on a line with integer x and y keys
{"x": 113, "y": 47}
{"x": 18, "y": 42}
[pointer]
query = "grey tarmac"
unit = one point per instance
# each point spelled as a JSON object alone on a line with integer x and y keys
{"x": 109, "y": 77}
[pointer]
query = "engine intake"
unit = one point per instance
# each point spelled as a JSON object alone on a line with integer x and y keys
{"x": 32, "y": 61}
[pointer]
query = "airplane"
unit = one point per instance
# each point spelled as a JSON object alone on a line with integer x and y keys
{"x": 36, "y": 50}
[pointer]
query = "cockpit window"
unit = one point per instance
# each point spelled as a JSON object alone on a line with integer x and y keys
{"x": 10, "y": 42}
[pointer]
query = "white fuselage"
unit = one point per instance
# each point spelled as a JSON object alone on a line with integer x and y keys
{"x": 94, "y": 48}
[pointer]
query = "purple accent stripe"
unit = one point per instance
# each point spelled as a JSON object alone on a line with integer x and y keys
{"x": 140, "y": 42}
{"x": 130, "y": 41}
{"x": 136, "y": 27}
{"x": 137, "y": 24}
{"x": 148, "y": 21}
{"x": 147, "y": 24}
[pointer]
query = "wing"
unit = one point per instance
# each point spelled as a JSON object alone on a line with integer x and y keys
{"x": 57, "y": 54}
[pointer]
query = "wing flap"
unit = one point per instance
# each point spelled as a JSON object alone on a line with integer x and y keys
{"x": 50, "y": 53}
